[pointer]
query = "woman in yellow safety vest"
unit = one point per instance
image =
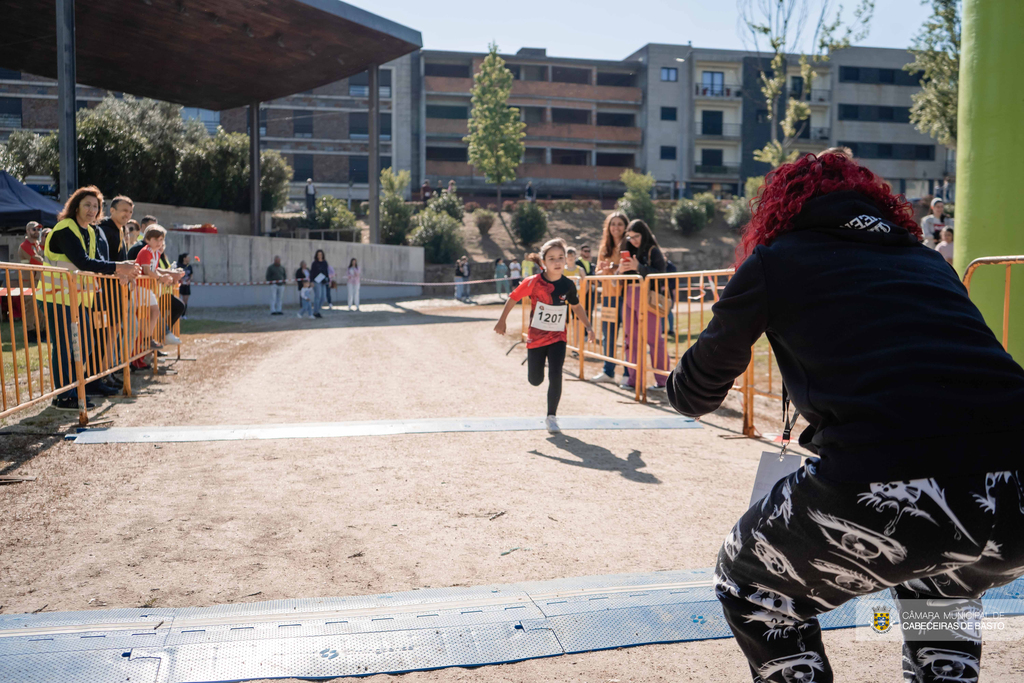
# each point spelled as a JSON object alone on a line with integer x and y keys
{"x": 71, "y": 245}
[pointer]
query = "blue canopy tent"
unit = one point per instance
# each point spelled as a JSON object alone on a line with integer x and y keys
{"x": 20, "y": 204}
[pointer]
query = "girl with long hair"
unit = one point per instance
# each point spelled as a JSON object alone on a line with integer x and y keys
{"x": 645, "y": 258}
{"x": 612, "y": 235}
{"x": 352, "y": 283}
{"x": 321, "y": 279}
{"x": 915, "y": 414}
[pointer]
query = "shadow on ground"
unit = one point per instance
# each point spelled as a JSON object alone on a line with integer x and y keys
{"x": 592, "y": 456}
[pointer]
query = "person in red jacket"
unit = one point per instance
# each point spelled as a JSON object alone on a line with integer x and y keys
{"x": 551, "y": 295}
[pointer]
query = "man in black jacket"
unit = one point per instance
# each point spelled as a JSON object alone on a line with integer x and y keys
{"x": 915, "y": 411}
{"x": 112, "y": 245}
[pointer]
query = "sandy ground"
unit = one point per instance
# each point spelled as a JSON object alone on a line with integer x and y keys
{"x": 176, "y": 525}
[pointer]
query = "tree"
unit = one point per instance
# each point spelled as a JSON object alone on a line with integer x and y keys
{"x": 637, "y": 203}
{"x": 936, "y": 50}
{"x": 781, "y": 25}
{"x": 394, "y": 212}
{"x": 11, "y": 163}
{"x": 495, "y": 132}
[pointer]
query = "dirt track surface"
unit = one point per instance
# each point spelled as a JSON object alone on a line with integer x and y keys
{"x": 175, "y": 525}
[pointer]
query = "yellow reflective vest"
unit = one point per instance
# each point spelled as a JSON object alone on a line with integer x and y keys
{"x": 53, "y": 287}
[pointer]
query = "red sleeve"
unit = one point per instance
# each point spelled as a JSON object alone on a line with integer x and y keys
{"x": 524, "y": 289}
{"x": 144, "y": 258}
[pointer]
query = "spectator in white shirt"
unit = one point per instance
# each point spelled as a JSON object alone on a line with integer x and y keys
{"x": 945, "y": 247}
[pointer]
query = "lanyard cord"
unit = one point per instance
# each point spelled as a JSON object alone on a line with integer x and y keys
{"x": 787, "y": 427}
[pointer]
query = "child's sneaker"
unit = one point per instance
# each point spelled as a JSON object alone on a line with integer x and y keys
{"x": 551, "y": 423}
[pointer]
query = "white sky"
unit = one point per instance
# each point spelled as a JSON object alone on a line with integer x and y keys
{"x": 605, "y": 29}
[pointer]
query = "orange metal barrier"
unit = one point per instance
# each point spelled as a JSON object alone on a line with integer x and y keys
{"x": 605, "y": 298}
{"x": 64, "y": 329}
{"x": 1008, "y": 261}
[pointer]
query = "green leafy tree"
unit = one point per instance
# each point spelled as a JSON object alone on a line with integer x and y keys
{"x": 495, "y": 131}
{"x": 529, "y": 222}
{"x": 11, "y": 163}
{"x": 689, "y": 216}
{"x": 395, "y": 214}
{"x": 449, "y": 203}
{"x": 26, "y": 154}
{"x": 637, "y": 202}
{"x": 439, "y": 234}
{"x": 781, "y": 26}
{"x": 936, "y": 50}
{"x": 332, "y": 215}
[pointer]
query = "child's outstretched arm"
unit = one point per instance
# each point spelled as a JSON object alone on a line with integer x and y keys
{"x": 581, "y": 313}
{"x": 500, "y": 326}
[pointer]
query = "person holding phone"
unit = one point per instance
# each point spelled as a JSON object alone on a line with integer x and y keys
{"x": 642, "y": 256}
{"x": 551, "y": 296}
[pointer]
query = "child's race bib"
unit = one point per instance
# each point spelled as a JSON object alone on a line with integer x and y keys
{"x": 550, "y": 318}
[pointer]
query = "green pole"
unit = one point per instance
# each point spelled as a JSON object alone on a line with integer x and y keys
{"x": 990, "y": 158}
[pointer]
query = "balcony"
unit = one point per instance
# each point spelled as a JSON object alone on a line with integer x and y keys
{"x": 576, "y": 91}
{"x": 447, "y": 84}
{"x": 702, "y": 170}
{"x": 819, "y": 133}
{"x": 718, "y": 131}
{"x": 582, "y": 131}
{"x": 815, "y": 96}
{"x": 447, "y": 127}
{"x": 718, "y": 92}
{"x": 461, "y": 169}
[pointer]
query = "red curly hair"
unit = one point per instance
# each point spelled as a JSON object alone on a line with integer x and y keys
{"x": 787, "y": 188}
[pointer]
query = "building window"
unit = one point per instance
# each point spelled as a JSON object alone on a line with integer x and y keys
{"x": 359, "y": 85}
{"x": 210, "y": 119}
{"x": 359, "y": 125}
{"x": 668, "y": 152}
{"x": 302, "y": 119}
{"x": 359, "y": 168}
{"x": 796, "y": 86}
{"x": 711, "y": 157}
{"x": 669, "y": 73}
{"x": 762, "y": 116}
{"x": 886, "y": 113}
{"x": 668, "y": 114}
{"x": 924, "y": 152}
{"x": 444, "y": 111}
{"x": 302, "y": 164}
{"x": 10, "y": 75}
{"x": 615, "y": 79}
{"x": 570, "y": 157}
{"x": 446, "y": 70}
{"x": 570, "y": 115}
{"x": 263, "y": 122}
{"x": 868, "y": 112}
{"x": 711, "y": 122}
{"x": 534, "y": 155}
{"x": 565, "y": 74}
{"x": 533, "y": 115}
{"x": 884, "y": 151}
{"x": 614, "y": 119}
{"x": 887, "y": 75}
{"x": 447, "y": 154}
{"x": 620, "y": 160}
{"x": 10, "y": 112}
{"x": 713, "y": 82}
{"x": 849, "y": 112}
{"x": 849, "y": 74}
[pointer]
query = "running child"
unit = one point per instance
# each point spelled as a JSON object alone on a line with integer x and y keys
{"x": 551, "y": 296}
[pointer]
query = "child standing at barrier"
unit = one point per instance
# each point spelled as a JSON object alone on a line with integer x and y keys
{"x": 149, "y": 258}
{"x": 551, "y": 296}
{"x": 306, "y": 299}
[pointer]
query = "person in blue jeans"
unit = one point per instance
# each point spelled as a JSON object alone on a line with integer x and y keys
{"x": 319, "y": 273}
{"x": 611, "y": 293}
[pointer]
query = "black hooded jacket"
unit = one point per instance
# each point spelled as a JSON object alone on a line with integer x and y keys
{"x": 879, "y": 346}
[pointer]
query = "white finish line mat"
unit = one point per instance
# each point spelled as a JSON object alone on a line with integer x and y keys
{"x": 326, "y": 430}
{"x": 395, "y": 633}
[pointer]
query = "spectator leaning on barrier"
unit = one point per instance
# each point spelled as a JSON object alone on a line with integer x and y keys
{"x": 114, "y": 231}
{"x": 149, "y": 259}
{"x": 915, "y": 414}
{"x": 72, "y": 244}
{"x": 276, "y": 275}
{"x": 320, "y": 279}
{"x": 30, "y": 252}
{"x": 136, "y": 247}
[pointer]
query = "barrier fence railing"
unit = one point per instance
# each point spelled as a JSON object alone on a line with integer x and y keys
{"x": 64, "y": 329}
{"x": 1009, "y": 262}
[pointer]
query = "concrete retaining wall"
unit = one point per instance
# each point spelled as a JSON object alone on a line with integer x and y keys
{"x": 243, "y": 258}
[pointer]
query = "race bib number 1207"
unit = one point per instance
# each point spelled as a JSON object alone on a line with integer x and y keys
{"x": 550, "y": 318}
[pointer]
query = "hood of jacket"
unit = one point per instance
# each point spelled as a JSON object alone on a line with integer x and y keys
{"x": 849, "y": 215}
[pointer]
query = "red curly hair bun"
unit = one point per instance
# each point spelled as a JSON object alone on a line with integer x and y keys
{"x": 787, "y": 188}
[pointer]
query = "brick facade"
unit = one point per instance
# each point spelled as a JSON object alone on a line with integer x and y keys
{"x": 330, "y": 168}
{"x": 233, "y": 120}
{"x": 38, "y": 113}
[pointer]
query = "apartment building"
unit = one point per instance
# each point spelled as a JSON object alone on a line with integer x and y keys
{"x": 582, "y": 127}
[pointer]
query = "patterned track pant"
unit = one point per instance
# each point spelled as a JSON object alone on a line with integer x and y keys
{"x": 812, "y": 544}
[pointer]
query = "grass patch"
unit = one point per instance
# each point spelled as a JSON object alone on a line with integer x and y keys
{"x": 200, "y": 326}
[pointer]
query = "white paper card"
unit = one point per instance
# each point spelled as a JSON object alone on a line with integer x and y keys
{"x": 550, "y": 318}
{"x": 320, "y": 278}
{"x": 770, "y": 470}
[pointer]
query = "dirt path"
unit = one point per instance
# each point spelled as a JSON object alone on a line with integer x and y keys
{"x": 176, "y": 525}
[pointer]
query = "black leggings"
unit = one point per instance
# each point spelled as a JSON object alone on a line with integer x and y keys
{"x": 555, "y": 355}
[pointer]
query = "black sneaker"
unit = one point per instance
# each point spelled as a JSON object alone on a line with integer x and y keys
{"x": 99, "y": 389}
{"x": 71, "y": 403}
{"x": 317, "y": 315}
{"x": 161, "y": 354}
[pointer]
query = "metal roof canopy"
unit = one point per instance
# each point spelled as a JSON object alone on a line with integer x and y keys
{"x": 214, "y": 54}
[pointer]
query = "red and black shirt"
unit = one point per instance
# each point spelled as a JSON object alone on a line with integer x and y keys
{"x": 561, "y": 292}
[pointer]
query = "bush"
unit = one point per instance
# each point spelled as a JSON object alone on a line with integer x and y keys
{"x": 363, "y": 209}
{"x": 950, "y": 210}
{"x": 471, "y": 207}
{"x": 737, "y": 213}
{"x": 484, "y": 219}
{"x": 591, "y": 204}
{"x": 440, "y": 236}
{"x": 492, "y": 207}
{"x": 752, "y": 188}
{"x": 707, "y": 202}
{"x": 637, "y": 203}
{"x": 416, "y": 207}
{"x": 394, "y": 212}
{"x": 529, "y": 222}
{"x": 448, "y": 203}
{"x": 689, "y": 217}
{"x": 508, "y": 206}
{"x": 332, "y": 214}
